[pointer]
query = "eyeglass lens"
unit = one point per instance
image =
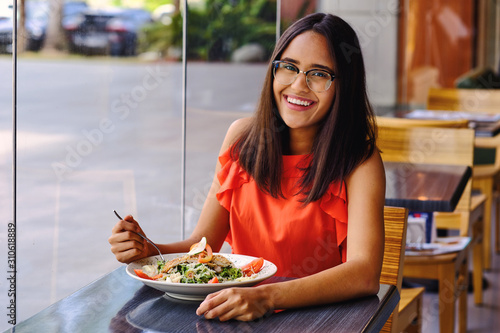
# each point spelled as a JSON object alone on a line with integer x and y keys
{"x": 317, "y": 80}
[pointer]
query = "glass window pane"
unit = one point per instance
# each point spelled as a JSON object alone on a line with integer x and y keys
{"x": 97, "y": 131}
{"x": 229, "y": 44}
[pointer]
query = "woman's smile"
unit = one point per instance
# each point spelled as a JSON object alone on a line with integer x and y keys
{"x": 298, "y": 103}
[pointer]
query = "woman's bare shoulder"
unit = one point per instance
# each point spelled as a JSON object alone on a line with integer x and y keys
{"x": 235, "y": 130}
{"x": 371, "y": 168}
{"x": 238, "y": 126}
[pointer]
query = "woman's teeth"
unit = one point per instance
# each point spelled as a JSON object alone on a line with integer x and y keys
{"x": 298, "y": 101}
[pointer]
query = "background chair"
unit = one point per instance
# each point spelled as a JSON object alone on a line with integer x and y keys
{"x": 406, "y": 122}
{"x": 468, "y": 100}
{"x": 441, "y": 146}
{"x": 486, "y": 176}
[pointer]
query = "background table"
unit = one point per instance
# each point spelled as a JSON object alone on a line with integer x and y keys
{"x": 118, "y": 303}
{"x": 425, "y": 187}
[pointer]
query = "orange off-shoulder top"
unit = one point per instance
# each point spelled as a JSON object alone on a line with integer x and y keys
{"x": 300, "y": 240}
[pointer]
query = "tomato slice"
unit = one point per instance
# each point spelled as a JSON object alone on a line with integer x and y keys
{"x": 206, "y": 256}
{"x": 253, "y": 267}
{"x": 214, "y": 280}
{"x": 141, "y": 274}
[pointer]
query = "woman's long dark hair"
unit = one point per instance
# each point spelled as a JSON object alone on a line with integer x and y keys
{"x": 346, "y": 137}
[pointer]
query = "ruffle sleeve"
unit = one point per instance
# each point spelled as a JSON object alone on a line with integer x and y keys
{"x": 334, "y": 203}
{"x": 231, "y": 176}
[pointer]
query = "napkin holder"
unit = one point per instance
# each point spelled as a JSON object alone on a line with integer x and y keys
{"x": 421, "y": 228}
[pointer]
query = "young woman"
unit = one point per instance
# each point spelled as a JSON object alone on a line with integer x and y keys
{"x": 300, "y": 183}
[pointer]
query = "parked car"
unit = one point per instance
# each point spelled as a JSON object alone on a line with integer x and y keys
{"x": 72, "y": 10}
{"x": 37, "y": 19}
{"x": 111, "y": 32}
{"x": 35, "y": 24}
{"x": 6, "y": 33}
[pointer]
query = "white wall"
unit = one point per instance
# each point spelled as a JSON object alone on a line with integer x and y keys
{"x": 375, "y": 21}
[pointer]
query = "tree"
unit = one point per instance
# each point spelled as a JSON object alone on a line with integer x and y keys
{"x": 21, "y": 30}
{"x": 54, "y": 38}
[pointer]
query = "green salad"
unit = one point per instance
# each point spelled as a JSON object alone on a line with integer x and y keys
{"x": 200, "y": 273}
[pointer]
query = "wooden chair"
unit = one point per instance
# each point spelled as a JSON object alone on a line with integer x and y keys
{"x": 486, "y": 178}
{"x": 395, "y": 222}
{"x": 441, "y": 146}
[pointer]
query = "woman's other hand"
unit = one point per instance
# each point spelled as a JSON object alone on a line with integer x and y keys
{"x": 243, "y": 304}
{"x": 126, "y": 245}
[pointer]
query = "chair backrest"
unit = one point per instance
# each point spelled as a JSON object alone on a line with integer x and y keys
{"x": 406, "y": 122}
{"x": 432, "y": 145}
{"x": 395, "y": 221}
{"x": 452, "y": 146}
{"x": 469, "y": 100}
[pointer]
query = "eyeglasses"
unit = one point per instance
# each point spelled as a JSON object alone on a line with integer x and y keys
{"x": 318, "y": 80}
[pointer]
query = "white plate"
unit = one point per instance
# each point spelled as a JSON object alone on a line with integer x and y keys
{"x": 198, "y": 292}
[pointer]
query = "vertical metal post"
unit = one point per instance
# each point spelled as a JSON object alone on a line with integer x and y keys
{"x": 278, "y": 19}
{"x": 183, "y": 133}
{"x": 13, "y": 267}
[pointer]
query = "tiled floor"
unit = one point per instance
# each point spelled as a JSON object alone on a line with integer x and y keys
{"x": 486, "y": 318}
{"x": 483, "y": 318}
